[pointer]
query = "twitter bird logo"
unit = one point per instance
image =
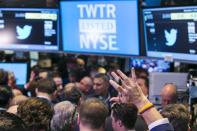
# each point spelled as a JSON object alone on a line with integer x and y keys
{"x": 23, "y": 32}
{"x": 171, "y": 37}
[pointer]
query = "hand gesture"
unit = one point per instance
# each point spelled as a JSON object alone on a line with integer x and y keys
{"x": 129, "y": 90}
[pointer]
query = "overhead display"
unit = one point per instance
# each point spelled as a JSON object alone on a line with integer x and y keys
{"x": 19, "y": 70}
{"x": 101, "y": 27}
{"x": 170, "y": 32}
{"x": 29, "y": 29}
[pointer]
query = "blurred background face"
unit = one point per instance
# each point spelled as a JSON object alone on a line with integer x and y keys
{"x": 11, "y": 80}
{"x": 100, "y": 86}
{"x": 143, "y": 86}
{"x": 43, "y": 75}
{"x": 166, "y": 99}
{"x": 58, "y": 83}
{"x": 85, "y": 84}
{"x": 168, "y": 95}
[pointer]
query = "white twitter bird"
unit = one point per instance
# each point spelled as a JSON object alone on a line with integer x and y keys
{"x": 171, "y": 37}
{"x": 23, "y": 32}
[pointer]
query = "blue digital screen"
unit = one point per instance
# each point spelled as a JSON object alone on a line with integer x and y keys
{"x": 19, "y": 70}
{"x": 170, "y": 32}
{"x": 105, "y": 27}
{"x": 29, "y": 29}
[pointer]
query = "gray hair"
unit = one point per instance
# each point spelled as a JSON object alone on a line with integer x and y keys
{"x": 65, "y": 115}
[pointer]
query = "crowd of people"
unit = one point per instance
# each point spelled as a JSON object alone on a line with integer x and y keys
{"x": 101, "y": 100}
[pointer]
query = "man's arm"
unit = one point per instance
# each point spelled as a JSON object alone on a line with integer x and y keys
{"x": 131, "y": 92}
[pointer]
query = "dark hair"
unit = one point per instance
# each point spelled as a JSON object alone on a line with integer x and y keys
{"x": 178, "y": 115}
{"x": 5, "y": 95}
{"x": 141, "y": 72}
{"x": 36, "y": 70}
{"x": 74, "y": 73}
{"x": 103, "y": 76}
{"x": 11, "y": 122}
{"x": 126, "y": 113}
{"x": 32, "y": 87}
{"x": 46, "y": 86}
{"x": 36, "y": 113}
{"x": 55, "y": 74}
{"x": 145, "y": 79}
{"x": 93, "y": 113}
{"x": 3, "y": 77}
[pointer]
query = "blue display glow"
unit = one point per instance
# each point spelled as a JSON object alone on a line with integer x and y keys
{"x": 19, "y": 70}
{"x": 101, "y": 27}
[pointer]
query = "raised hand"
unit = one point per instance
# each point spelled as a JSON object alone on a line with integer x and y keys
{"x": 129, "y": 90}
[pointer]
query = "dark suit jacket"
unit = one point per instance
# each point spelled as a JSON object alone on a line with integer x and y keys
{"x": 163, "y": 127}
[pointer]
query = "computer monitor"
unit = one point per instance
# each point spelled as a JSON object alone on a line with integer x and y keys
{"x": 151, "y": 65}
{"x": 19, "y": 70}
{"x": 100, "y": 26}
{"x": 158, "y": 79}
{"x": 170, "y": 32}
{"x": 29, "y": 29}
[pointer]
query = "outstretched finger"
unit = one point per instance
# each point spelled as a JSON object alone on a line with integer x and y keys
{"x": 133, "y": 74}
{"x": 122, "y": 75}
{"x": 116, "y": 86}
{"x": 115, "y": 76}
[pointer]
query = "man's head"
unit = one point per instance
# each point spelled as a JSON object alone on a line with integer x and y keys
{"x": 168, "y": 94}
{"x": 73, "y": 76}
{"x": 11, "y": 79}
{"x": 123, "y": 116}
{"x": 43, "y": 74}
{"x": 11, "y": 122}
{"x": 92, "y": 114}
{"x": 101, "y": 84}
{"x": 140, "y": 72}
{"x": 17, "y": 100}
{"x": 46, "y": 86}
{"x": 58, "y": 80}
{"x": 144, "y": 84}
{"x": 178, "y": 116}
{"x": 86, "y": 84}
{"x": 5, "y": 95}
{"x": 72, "y": 93}
{"x": 36, "y": 113}
{"x": 3, "y": 77}
{"x": 65, "y": 116}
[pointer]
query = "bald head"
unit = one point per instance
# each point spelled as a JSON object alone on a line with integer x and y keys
{"x": 85, "y": 84}
{"x": 168, "y": 94}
